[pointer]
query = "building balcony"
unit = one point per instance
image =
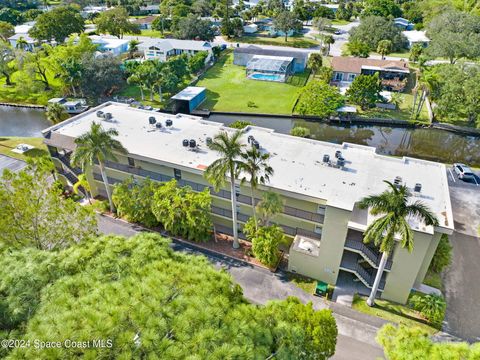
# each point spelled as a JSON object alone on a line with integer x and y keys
{"x": 224, "y": 194}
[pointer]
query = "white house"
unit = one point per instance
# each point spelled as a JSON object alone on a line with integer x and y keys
{"x": 21, "y": 31}
{"x": 403, "y": 23}
{"x": 111, "y": 45}
{"x": 416, "y": 37}
{"x": 250, "y": 28}
{"x": 162, "y": 49}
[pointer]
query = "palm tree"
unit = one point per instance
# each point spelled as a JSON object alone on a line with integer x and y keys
{"x": 132, "y": 48}
{"x": 256, "y": 168}
{"x": 270, "y": 205}
{"x": 230, "y": 149}
{"x": 315, "y": 62}
{"x": 56, "y": 113}
{"x": 395, "y": 207}
{"x": 21, "y": 43}
{"x": 97, "y": 144}
{"x": 83, "y": 182}
{"x": 384, "y": 48}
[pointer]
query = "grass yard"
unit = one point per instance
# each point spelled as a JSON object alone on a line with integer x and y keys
{"x": 17, "y": 93}
{"x": 9, "y": 143}
{"x": 228, "y": 89}
{"x": 152, "y": 33}
{"x": 403, "y": 112}
{"x": 388, "y": 310}
{"x": 296, "y": 41}
{"x": 306, "y": 284}
{"x": 340, "y": 22}
{"x": 433, "y": 279}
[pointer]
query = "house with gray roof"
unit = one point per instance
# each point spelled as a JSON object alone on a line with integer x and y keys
{"x": 163, "y": 49}
{"x": 243, "y": 55}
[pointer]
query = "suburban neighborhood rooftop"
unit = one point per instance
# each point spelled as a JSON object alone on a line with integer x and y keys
{"x": 298, "y": 163}
{"x": 355, "y": 65}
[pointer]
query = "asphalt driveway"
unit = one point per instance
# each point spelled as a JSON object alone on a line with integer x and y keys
{"x": 462, "y": 279}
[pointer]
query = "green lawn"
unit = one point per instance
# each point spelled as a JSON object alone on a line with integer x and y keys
{"x": 297, "y": 41}
{"x": 18, "y": 94}
{"x": 402, "y": 113}
{"x": 340, "y": 22}
{"x": 433, "y": 279}
{"x": 228, "y": 89}
{"x": 306, "y": 284}
{"x": 9, "y": 143}
{"x": 388, "y": 310}
{"x": 152, "y": 33}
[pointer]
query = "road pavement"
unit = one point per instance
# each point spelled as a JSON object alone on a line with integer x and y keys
{"x": 461, "y": 282}
{"x": 356, "y": 338}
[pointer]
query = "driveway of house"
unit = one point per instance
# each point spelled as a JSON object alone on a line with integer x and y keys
{"x": 461, "y": 280}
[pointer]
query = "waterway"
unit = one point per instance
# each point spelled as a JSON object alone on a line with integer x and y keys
{"x": 424, "y": 143}
{"x": 22, "y": 122}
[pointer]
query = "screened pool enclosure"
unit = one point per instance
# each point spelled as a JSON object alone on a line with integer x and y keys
{"x": 270, "y": 68}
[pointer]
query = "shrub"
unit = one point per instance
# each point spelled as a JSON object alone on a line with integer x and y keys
{"x": 265, "y": 241}
{"x": 431, "y": 306}
{"x": 240, "y": 124}
{"x": 443, "y": 255}
{"x": 300, "y": 131}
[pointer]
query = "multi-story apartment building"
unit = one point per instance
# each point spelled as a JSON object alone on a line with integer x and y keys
{"x": 320, "y": 183}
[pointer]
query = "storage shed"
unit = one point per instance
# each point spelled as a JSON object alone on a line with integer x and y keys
{"x": 189, "y": 99}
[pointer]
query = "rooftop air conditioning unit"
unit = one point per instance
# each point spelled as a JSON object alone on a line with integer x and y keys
{"x": 169, "y": 122}
{"x": 185, "y": 142}
{"x": 100, "y": 114}
{"x": 152, "y": 120}
{"x": 158, "y": 125}
{"x": 108, "y": 116}
{"x": 338, "y": 154}
{"x": 192, "y": 143}
{"x": 397, "y": 181}
{"x": 326, "y": 158}
{"x": 418, "y": 188}
{"x": 341, "y": 162}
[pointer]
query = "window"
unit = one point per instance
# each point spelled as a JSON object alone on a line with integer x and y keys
{"x": 321, "y": 210}
{"x": 318, "y": 230}
{"x": 131, "y": 162}
{"x": 351, "y": 76}
{"x": 338, "y": 76}
{"x": 177, "y": 174}
{"x": 237, "y": 190}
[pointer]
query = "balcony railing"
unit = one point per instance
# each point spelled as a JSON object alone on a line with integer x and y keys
{"x": 287, "y": 210}
{"x": 371, "y": 256}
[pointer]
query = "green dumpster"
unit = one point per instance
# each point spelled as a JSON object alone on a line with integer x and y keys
{"x": 321, "y": 289}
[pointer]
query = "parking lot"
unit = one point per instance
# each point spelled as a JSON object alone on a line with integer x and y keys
{"x": 462, "y": 286}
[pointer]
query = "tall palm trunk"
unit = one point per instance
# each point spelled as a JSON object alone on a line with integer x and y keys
{"x": 378, "y": 277}
{"x": 253, "y": 208}
{"x": 107, "y": 187}
{"x": 236, "y": 244}
{"x": 142, "y": 94}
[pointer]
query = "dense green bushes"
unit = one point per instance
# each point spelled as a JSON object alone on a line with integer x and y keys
{"x": 431, "y": 306}
{"x": 180, "y": 210}
{"x": 151, "y": 302}
{"x": 265, "y": 241}
{"x": 443, "y": 255}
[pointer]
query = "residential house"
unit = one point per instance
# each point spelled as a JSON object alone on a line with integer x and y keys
{"x": 163, "y": 49}
{"x": 21, "y": 32}
{"x": 320, "y": 184}
{"x": 145, "y": 23}
{"x": 243, "y": 55}
{"x": 250, "y": 28}
{"x": 88, "y": 11}
{"x": 416, "y": 37}
{"x": 393, "y": 73}
{"x": 110, "y": 45}
{"x": 403, "y": 23}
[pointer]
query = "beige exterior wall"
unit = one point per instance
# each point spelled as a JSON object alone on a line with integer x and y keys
{"x": 331, "y": 245}
{"x": 427, "y": 259}
{"x": 304, "y": 264}
{"x": 406, "y": 267}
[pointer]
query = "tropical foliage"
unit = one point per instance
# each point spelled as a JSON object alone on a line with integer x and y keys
{"x": 149, "y": 301}
{"x": 392, "y": 208}
{"x": 431, "y": 306}
{"x": 133, "y": 200}
{"x": 182, "y": 211}
{"x": 402, "y": 342}
{"x": 97, "y": 146}
{"x": 265, "y": 241}
{"x": 35, "y": 214}
{"x": 270, "y": 205}
{"x": 365, "y": 90}
{"x": 373, "y": 29}
{"x": 320, "y": 99}
{"x": 300, "y": 131}
{"x": 240, "y": 124}
{"x": 443, "y": 255}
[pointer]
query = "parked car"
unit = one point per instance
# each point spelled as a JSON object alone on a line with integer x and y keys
{"x": 463, "y": 171}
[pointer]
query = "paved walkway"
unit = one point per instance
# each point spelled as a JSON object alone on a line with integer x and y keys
{"x": 356, "y": 331}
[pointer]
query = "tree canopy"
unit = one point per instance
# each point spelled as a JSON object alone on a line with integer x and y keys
{"x": 149, "y": 301}
{"x": 57, "y": 24}
{"x": 286, "y": 21}
{"x": 454, "y": 35}
{"x": 34, "y": 213}
{"x": 384, "y": 8}
{"x": 320, "y": 99}
{"x": 116, "y": 22}
{"x": 373, "y": 29}
{"x": 194, "y": 28}
{"x": 365, "y": 90}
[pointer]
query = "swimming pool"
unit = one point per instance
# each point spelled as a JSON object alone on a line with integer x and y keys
{"x": 266, "y": 77}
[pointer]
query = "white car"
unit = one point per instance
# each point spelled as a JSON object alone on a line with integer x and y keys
{"x": 463, "y": 171}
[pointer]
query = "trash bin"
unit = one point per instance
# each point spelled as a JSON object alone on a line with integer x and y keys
{"x": 321, "y": 289}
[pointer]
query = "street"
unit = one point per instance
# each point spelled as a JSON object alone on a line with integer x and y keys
{"x": 462, "y": 288}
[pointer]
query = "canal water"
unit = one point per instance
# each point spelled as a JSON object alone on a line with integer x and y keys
{"x": 425, "y": 143}
{"x": 430, "y": 144}
{"x": 22, "y": 121}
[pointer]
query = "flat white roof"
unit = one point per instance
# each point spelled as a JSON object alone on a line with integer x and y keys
{"x": 414, "y": 36}
{"x": 108, "y": 42}
{"x": 189, "y": 93}
{"x": 297, "y": 162}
